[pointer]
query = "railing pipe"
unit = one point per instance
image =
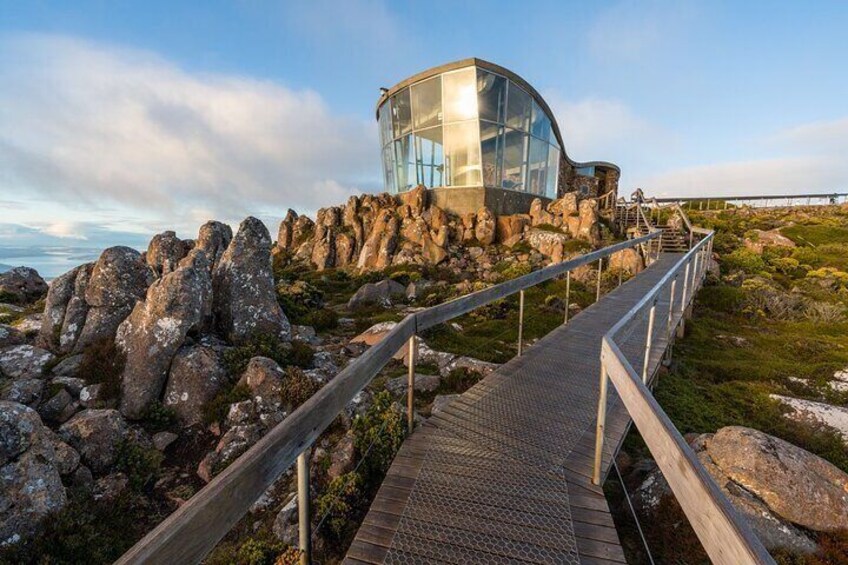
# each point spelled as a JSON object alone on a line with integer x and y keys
{"x": 600, "y": 425}
{"x": 304, "y": 526}
{"x": 567, "y": 295}
{"x": 600, "y": 270}
{"x": 648, "y": 340}
{"x": 520, "y": 321}
{"x": 410, "y": 384}
{"x": 670, "y": 323}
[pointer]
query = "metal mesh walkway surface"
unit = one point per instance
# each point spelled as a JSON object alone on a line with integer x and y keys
{"x": 503, "y": 474}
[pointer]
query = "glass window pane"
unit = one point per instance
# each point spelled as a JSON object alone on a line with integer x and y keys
{"x": 491, "y": 144}
{"x": 430, "y": 156}
{"x": 462, "y": 154}
{"x": 460, "y": 95}
{"x": 427, "y": 103}
{"x": 491, "y": 96}
{"x": 514, "y": 159}
{"x": 401, "y": 113}
{"x": 553, "y": 173}
{"x": 518, "y": 108}
{"x": 540, "y": 125}
{"x": 385, "y": 123}
{"x": 389, "y": 169}
{"x": 404, "y": 164}
{"x": 537, "y": 166}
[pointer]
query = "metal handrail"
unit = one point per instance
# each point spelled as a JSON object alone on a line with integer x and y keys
{"x": 187, "y": 535}
{"x": 724, "y": 534}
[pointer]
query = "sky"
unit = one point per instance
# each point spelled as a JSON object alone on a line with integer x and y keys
{"x": 122, "y": 119}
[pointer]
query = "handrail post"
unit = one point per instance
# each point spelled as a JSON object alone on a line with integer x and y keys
{"x": 680, "y": 328}
{"x": 410, "y": 386}
{"x": 648, "y": 341}
{"x": 600, "y": 270}
{"x": 670, "y": 322}
{"x": 567, "y": 295}
{"x": 659, "y": 245}
{"x": 304, "y": 526}
{"x": 520, "y": 319}
{"x": 600, "y": 425}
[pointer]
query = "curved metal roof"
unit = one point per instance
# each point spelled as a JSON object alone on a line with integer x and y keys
{"x": 486, "y": 65}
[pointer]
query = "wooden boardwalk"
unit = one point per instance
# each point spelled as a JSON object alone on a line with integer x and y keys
{"x": 503, "y": 474}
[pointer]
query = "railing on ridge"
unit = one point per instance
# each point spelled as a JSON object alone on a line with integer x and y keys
{"x": 758, "y": 200}
{"x": 193, "y": 530}
{"x": 726, "y": 537}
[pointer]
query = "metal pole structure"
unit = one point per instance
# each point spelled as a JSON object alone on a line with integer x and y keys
{"x": 620, "y": 274}
{"x": 669, "y": 326}
{"x": 520, "y": 319}
{"x": 601, "y": 424}
{"x": 600, "y": 270}
{"x": 410, "y": 386}
{"x": 304, "y": 527}
{"x": 648, "y": 341}
{"x": 567, "y": 295}
{"x": 685, "y": 287}
{"x": 659, "y": 245}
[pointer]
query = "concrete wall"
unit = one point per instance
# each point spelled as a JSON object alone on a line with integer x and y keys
{"x": 470, "y": 199}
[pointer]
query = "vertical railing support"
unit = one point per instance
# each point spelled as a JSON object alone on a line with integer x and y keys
{"x": 567, "y": 295}
{"x": 410, "y": 385}
{"x": 520, "y": 320}
{"x": 600, "y": 271}
{"x": 683, "y": 295}
{"x": 670, "y": 322}
{"x": 304, "y": 526}
{"x": 648, "y": 341}
{"x": 600, "y": 425}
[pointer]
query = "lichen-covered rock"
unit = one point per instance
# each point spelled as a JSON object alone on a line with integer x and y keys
{"x": 483, "y": 367}
{"x": 628, "y": 260}
{"x": 538, "y": 214}
{"x": 379, "y": 247}
{"x": 165, "y": 251}
{"x": 22, "y": 284}
{"x": 285, "y": 239}
{"x": 60, "y": 293}
{"x": 548, "y": 243}
{"x": 157, "y": 327}
{"x": 565, "y": 206}
{"x": 509, "y": 227}
{"x": 58, "y": 408}
{"x": 68, "y": 367}
{"x": 416, "y": 199}
{"x": 341, "y": 457}
{"x": 374, "y": 334}
{"x": 232, "y": 444}
{"x": 96, "y": 435}
{"x": 589, "y": 228}
{"x": 118, "y": 280}
{"x": 197, "y": 374}
{"x": 24, "y": 361}
{"x": 24, "y": 391}
{"x": 213, "y": 239}
{"x": 10, "y": 336}
{"x": 244, "y": 300}
{"x": 30, "y": 483}
{"x": 423, "y": 383}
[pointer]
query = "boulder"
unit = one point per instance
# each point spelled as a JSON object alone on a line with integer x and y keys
{"x": 548, "y": 243}
{"x": 795, "y": 484}
{"x": 213, "y": 239}
{"x": 10, "y": 336}
{"x": 485, "y": 228}
{"x": 416, "y": 199}
{"x": 423, "y": 383}
{"x": 110, "y": 487}
{"x": 589, "y": 228}
{"x": 21, "y": 285}
{"x": 60, "y": 293}
{"x": 285, "y": 238}
{"x": 118, "y": 280}
{"x": 196, "y": 375}
{"x": 175, "y": 304}
{"x": 285, "y": 524}
{"x": 379, "y": 247}
{"x": 232, "y": 444}
{"x": 508, "y": 227}
{"x": 264, "y": 378}
{"x": 538, "y": 214}
{"x": 341, "y": 457}
{"x": 77, "y": 310}
{"x": 758, "y": 240}
{"x": 374, "y": 334}
{"x": 24, "y": 361}
{"x": 377, "y": 293}
{"x": 96, "y": 435}
{"x": 244, "y": 299}
{"x": 165, "y": 251}
{"x": 162, "y": 440}
{"x": 59, "y": 408}
{"x": 30, "y": 483}
{"x": 483, "y": 367}
{"x": 568, "y": 205}
{"x": 68, "y": 367}
{"x": 628, "y": 260}
{"x": 90, "y": 395}
{"x": 24, "y": 391}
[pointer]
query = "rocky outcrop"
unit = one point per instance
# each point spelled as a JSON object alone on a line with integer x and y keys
{"x": 77, "y": 310}
{"x": 24, "y": 361}
{"x": 165, "y": 251}
{"x": 213, "y": 239}
{"x": 243, "y": 285}
{"x": 758, "y": 240}
{"x": 31, "y": 462}
{"x": 175, "y": 304}
{"x": 628, "y": 260}
{"x": 96, "y": 435}
{"x": 196, "y": 375}
{"x": 264, "y": 378}
{"x": 22, "y": 285}
{"x": 381, "y": 293}
{"x": 60, "y": 293}
{"x": 118, "y": 280}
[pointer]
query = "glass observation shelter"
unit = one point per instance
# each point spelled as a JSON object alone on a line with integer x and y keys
{"x": 478, "y": 134}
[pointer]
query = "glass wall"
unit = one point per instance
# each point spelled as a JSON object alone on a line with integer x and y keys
{"x": 468, "y": 127}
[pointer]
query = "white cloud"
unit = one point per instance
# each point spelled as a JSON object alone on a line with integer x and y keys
{"x": 94, "y": 126}
{"x": 64, "y": 230}
{"x": 809, "y": 158}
